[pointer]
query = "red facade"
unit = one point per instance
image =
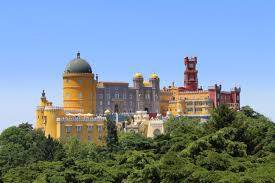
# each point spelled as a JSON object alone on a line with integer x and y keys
{"x": 190, "y": 74}
{"x": 219, "y": 97}
{"x": 231, "y": 98}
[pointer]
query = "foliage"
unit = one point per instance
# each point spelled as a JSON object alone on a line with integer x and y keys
{"x": 231, "y": 147}
{"x": 22, "y": 145}
{"x": 112, "y": 139}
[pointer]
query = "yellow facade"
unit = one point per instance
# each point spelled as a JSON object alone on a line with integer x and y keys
{"x": 86, "y": 129}
{"x": 79, "y": 92}
{"x": 186, "y": 103}
{"x": 46, "y": 116}
{"x": 76, "y": 118}
{"x": 165, "y": 97}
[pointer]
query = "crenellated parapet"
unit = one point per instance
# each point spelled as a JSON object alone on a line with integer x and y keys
{"x": 81, "y": 119}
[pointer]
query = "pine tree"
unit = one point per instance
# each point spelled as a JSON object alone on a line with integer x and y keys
{"x": 112, "y": 139}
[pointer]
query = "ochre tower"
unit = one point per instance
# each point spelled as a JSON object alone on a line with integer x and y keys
{"x": 79, "y": 87}
{"x": 46, "y": 115}
{"x": 190, "y": 74}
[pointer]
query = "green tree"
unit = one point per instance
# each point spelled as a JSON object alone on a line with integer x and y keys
{"x": 22, "y": 145}
{"x": 221, "y": 117}
{"x": 112, "y": 139}
{"x": 134, "y": 141}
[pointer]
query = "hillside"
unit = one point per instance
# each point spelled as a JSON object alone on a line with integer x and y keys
{"x": 230, "y": 147}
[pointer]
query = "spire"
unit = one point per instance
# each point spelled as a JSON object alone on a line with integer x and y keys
{"x": 78, "y": 55}
{"x": 43, "y": 94}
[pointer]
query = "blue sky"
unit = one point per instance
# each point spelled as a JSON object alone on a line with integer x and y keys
{"x": 233, "y": 40}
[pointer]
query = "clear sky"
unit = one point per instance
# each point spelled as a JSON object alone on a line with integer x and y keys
{"x": 234, "y": 41}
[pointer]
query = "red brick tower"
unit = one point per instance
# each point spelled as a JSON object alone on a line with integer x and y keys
{"x": 190, "y": 74}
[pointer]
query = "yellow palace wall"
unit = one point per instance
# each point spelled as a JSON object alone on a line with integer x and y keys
{"x": 186, "y": 103}
{"x": 84, "y": 131}
{"x": 79, "y": 92}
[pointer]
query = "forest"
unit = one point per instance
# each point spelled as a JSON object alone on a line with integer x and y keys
{"x": 232, "y": 146}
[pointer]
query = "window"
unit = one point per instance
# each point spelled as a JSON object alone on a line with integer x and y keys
{"x": 68, "y": 129}
{"x": 130, "y": 96}
{"x": 198, "y": 109}
{"x": 100, "y": 129}
{"x": 78, "y": 129}
{"x": 68, "y": 95}
{"x": 100, "y": 103}
{"x": 80, "y": 95}
{"x": 100, "y": 96}
{"x": 79, "y": 81}
{"x": 124, "y": 95}
{"x": 90, "y": 128}
{"x": 67, "y": 80}
{"x": 108, "y": 96}
{"x": 108, "y": 103}
{"x": 116, "y": 95}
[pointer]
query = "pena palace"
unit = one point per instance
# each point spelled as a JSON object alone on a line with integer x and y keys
{"x": 190, "y": 100}
{"x": 87, "y": 101}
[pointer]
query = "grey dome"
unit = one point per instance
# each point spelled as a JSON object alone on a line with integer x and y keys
{"x": 78, "y": 65}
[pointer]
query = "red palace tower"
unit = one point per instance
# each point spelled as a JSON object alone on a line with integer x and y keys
{"x": 190, "y": 74}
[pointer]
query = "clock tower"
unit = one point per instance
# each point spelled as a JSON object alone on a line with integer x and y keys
{"x": 190, "y": 74}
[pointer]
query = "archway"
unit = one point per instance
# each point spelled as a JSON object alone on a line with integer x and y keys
{"x": 147, "y": 110}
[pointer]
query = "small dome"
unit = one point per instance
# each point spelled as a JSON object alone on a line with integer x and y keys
{"x": 138, "y": 75}
{"x": 146, "y": 83}
{"x": 154, "y": 76}
{"x": 78, "y": 65}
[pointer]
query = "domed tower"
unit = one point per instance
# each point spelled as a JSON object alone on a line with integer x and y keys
{"x": 139, "y": 86}
{"x": 79, "y": 87}
{"x": 154, "y": 80}
{"x": 138, "y": 80}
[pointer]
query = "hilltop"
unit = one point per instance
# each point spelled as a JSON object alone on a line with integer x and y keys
{"x": 230, "y": 147}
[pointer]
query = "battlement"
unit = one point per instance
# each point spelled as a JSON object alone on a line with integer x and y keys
{"x": 190, "y": 59}
{"x": 215, "y": 87}
{"x": 236, "y": 89}
{"x": 81, "y": 119}
{"x": 53, "y": 108}
{"x": 67, "y": 111}
{"x": 49, "y": 108}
